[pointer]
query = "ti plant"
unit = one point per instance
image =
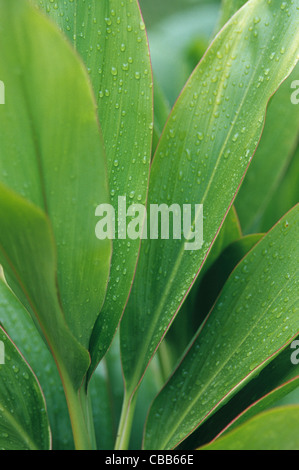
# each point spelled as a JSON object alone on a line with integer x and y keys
{"x": 200, "y": 345}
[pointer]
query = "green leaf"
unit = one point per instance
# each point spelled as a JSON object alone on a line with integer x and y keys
{"x": 274, "y": 375}
{"x": 265, "y": 174}
{"x": 25, "y": 237}
{"x": 217, "y": 275}
{"x": 202, "y": 156}
{"x": 273, "y": 430}
{"x": 54, "y": 160}
{"x": 200, "y": 299}
{"x": 110, "y": 36}
{"x": 23, "y": 417}
{"x": 21, "y": 329}
{"x": 255, "y": 317}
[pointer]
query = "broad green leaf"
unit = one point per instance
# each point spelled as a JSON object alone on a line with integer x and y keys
{"x": 273, "y": 430}
{"x": 274, "y": 375}
{"x": 279, "y": 138}
{"x": 21, "y": 329}
{"x": 110, "y": 36}
{"x": 265, "y": 174}
{"x": 23, "y": 417}
{"x": 255, "y": 316}
{"x": 202, "y": 157}
{"x": 218, "y": 273}
{"x": 263, "y": 404}
{"x": 25, "y": 238}
{"x": 52, "y": 156}
{"x": 191, "y": 313}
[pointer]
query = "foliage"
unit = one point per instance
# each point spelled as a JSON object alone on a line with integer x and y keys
{"x": 197, "y": 341}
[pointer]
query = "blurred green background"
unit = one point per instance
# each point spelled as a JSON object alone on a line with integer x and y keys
{"x": 179, "y": 32}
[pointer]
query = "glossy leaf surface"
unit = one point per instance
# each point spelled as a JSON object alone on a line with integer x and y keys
{"x": 259, "y": 301}
{"x": 202, "y": 156}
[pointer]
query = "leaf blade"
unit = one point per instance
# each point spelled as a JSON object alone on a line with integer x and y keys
{"x": 210, "y": 383}
{"x": 56, "y": 156}
{"x": 111, "y": 38}
{"x": 153, "y": 314}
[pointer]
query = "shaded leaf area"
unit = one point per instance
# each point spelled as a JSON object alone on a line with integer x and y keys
{"x": 273, "y": 376}
{"x": 275, "y": 150}
{"x": 223, "y": 95}
{"x": 20, "y": 327}
{"x": 23, "y": 417}
{"x": 273, "y": 430}
{"x": 110, "y": 36}
{"x": 255, "y": 317}
{"x": 106, "y": 391}
{"x": 53, "y": 171}
{"x": 263, "y": 404}
{"x": 285, "y": 196}
{"x": 154, "y": 11}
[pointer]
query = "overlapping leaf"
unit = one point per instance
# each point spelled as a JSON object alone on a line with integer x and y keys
{"x": 255, "y": 316}
{"x": 202, "y": 156}
{"x": 52, "y": 157}
{"x": 111, "y": 38}
{"x": 23, "y": 418}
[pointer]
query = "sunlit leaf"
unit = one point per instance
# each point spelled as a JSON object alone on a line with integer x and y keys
{"x": 202, "y": 156}
{"x": 255, "y": 316}
{"x": 110, "y": 36}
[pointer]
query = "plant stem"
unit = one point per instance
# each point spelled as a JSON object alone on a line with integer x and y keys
{"x": 80, "y": 415}
{"x": 126, "y": 421}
